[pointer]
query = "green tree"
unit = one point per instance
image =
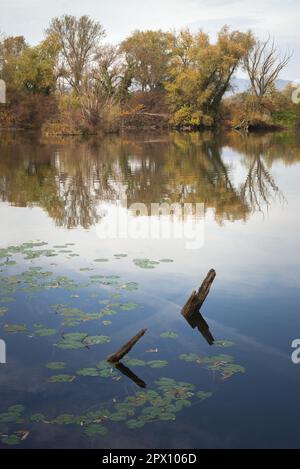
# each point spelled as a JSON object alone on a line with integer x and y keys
{"x": 11, "y": 49}
{"x": 147, "y": 54}
{"x": 201, "y": 73}
{"x": 36, "y": 67}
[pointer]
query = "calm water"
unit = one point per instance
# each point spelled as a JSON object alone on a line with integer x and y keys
{"x": 57, "y": 389}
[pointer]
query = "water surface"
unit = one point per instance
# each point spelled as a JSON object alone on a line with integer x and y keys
{"x": 57, "y": 277}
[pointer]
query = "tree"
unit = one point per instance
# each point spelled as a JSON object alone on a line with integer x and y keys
{"x": 108, "y": 69}
{"x": 146, "y": 54}
{"x": 78, "y": 39}
{"x": 263, "y": 64}
{"x": 11, "y": 49}
{"x": 36, "y": 67}
{"x": 201, "y": 73}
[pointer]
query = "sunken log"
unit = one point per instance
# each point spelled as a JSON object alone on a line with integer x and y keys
{"x": 191, "y": 310}
{"x": 116, "y": 357}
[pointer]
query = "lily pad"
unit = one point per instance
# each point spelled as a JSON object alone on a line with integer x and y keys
{"x": 203, "y": 395}
{"x": 15, "y": 328}
{"x": 11, "y": 440}
{"x": 95, "y": 430}
{"x": 128, "y": 306}
{"x": 3, "y": 310}
{"x": 45, "y": 332}
{"x": 56, "y": 365}
{"x": 61, "y": 378}
{"x": 96, "y": 340}
{"x": 129, "y": 286}
{"x": 223, "y": 343}
{"x": 157, "y": 363}
{"x": 168, "y": 335}
{"x": 88, "y": 372}
{"x": 135, "y": 362}
{"x": 145, "y": 263}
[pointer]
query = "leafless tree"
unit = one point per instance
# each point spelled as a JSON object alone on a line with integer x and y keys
{"x": 259, "y": 187}
{"x": 108, "y": 68}
{"x": 79, "y": 39}
{"x": 263, "y": 65}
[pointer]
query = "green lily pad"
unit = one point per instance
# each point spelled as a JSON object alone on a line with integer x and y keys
{"x": 38, "y": 417}
{"x": 128, "y": 306}
{"x": 3, "y": 310}
{"x": 11, "y": 440}
{"x": 88, "y": 372}
{"x": 133, "y": 424}
{"x": 169, "y": 335}
{"x": 61, "y": 378}
{"x": 15, "y": 328}
{"x": 145, "y": 263}
{"x": 95, "y": 430}
{"x": 129, "y": 286}
{"x": 106, "y": 323}
{"x": 203, "y": 395}
{"x": 7, "y": 299}
{"x": 45, "y": 332}
{"x": 223, "y": 343}
{"x": 9, "y": 263}
{"x": 65, "y": 419}
{"x": 72, "y": 341}
{"x": 157, "y": 363}
{"x": 56, "y": 365}
{"x": 12, "y": 414}
{"x": 96, "y": 340}
{"x": 135, "y": 362}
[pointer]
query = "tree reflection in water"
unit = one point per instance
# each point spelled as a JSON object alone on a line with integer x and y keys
{"x": 71, "y": 179}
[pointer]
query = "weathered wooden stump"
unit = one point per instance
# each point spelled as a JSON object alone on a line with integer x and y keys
{"x": 191, "y": 310}
{"x": 116, "y": 357}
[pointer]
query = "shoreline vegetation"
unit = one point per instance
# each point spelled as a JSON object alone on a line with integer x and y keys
{"x": 73, "y": 83}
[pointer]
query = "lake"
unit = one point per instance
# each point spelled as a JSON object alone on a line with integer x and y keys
{"x": 75, "y": 286}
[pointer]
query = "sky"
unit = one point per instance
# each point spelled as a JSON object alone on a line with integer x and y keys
{"x": 277, "y": 18}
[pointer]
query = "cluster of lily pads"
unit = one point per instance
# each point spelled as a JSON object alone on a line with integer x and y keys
{"x": 162, "y": 403}
{"x": 222, "y": 363}
{"x": 145, "y": 263}
{"x": 35, "y": 279}
{"x": 14, "y": 414}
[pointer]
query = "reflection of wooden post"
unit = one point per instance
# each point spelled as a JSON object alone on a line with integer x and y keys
{"x": 191, "y": 310}
{"x": 116, "y": 357}
{"x": 127, "y": 372}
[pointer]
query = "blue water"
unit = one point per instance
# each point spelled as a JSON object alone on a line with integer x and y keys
{"x": 59, "y": 192}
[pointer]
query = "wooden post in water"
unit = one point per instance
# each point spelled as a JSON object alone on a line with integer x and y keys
{"x": 116, "y": 357}
{"x": 191, "y": 310}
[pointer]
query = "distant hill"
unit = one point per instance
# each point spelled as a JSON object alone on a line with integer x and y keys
{"x": 242, "y": 84}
